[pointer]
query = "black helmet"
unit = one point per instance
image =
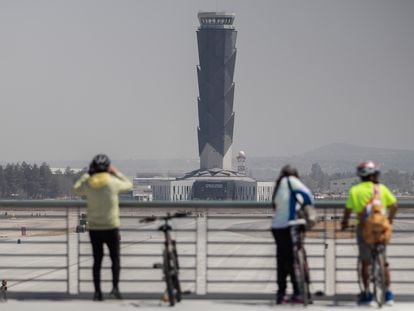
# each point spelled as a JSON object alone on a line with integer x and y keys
{"x": 289, "y": 170}
{"x": 367, "y": 168}
{"x": 100, "y": 163}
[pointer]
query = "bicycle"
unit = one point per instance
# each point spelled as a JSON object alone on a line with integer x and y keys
{"x": 300, "y": 262}
{"x": 377, "y": 276}
{"x": 170, "y": 265}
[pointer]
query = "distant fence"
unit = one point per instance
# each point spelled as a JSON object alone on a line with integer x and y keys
{"x": 225, "y": 249}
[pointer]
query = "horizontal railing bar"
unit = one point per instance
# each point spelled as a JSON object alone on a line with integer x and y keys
{"x": 388, "y": 256}
{"x": 239, "y": 242}
{"x": 389, "y": 245}
{"x": 393, "y": 282}
{"x": 392, "y": 269}
{"x": 31, "y": 255}
{"x": 320, "y": 204}
{"x": 34, "y": 229}
{"x": 135, "y": 268}
{"x": 36, "y": 280}
{"x": 242, "y": 268}
{"x": 241, "y": 217}
{"x": 155, "y": 230}
{"x": 253, "y": 281}
{"x": 26, "y": 216}
{"x": 139, "y": 280}
{"x": 143, "y": 216}
{"x": 238, "y": 255}
{"x": 256, "y": 243}
{"x": 145, "y": 242}
{"x": 256, "y": 268}
{"x": 142, "y": 255}
{"x": 238, "y": 230}
{"x": 31, "y": 242}
{"x": 253, "y": 256}
{"x": 32, "y": 267}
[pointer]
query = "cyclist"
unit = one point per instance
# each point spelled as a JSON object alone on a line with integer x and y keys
{"x": 101, "y": 186}
{"x": 359, "y": 196}
{"x": 288, "y": 186}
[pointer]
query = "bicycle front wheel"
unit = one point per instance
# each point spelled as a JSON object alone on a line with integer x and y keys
{"x": 176, "y": 269}
{"x": 378, "y": 278}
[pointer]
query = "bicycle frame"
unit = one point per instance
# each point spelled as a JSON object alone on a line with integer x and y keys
{"x": 377, "y": 281}
{"x": 170, "y": 266}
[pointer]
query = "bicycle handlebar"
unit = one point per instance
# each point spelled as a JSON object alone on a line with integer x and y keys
{"x": 168, "y": 217}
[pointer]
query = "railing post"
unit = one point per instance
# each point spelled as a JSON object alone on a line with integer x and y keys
{"x": 330, "y": 256}
{"x": 330, "y": 267}
{"x": 201, "y": 251}
{"x": 72, "y": 251}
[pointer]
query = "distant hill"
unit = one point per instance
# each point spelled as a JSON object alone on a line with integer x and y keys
{"x": 334, "y": 158}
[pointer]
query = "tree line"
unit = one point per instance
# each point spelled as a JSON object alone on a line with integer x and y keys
{"x": 30, "y": 181}
{"x": 399, "y": 182}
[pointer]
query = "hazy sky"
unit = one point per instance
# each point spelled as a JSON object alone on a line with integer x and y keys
{"x": 79, "y": 77}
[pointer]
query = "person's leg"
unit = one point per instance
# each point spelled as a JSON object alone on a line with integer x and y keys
{"x": 389, "y": 296}
{"x": 97, "y": 248}
{"x": 365, "y": 258}
{"x": 112, "y": 240}
{"x": 282, "y": 270}
{"x": 290, "y": 259}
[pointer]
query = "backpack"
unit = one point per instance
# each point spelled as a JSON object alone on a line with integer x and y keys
{"x": 306, "y": 212}
{"x": 376, "y": 227}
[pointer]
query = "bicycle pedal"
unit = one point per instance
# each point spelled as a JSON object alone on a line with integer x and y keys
{"x": 157, "y": 266}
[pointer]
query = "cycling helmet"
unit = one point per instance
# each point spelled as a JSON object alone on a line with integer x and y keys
{"x": 289, "y": 170}
{"x": 100, "y": 163}
{"x": 367, "y": 168}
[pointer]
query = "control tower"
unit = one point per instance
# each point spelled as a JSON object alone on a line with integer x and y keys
{"x": 216, "y": 38}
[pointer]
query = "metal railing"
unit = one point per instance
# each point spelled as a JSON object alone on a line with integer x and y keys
{"x": 225, "y": 249}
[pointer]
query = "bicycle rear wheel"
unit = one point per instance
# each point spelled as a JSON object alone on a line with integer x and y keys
{"x": 169, "y": 282}
{"x": 359, "y": 275}
{"x": 301, "y": 276}
{"x": 378, "y": 278}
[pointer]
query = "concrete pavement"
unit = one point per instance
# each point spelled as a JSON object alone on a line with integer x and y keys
{"x": 187, "y": 305}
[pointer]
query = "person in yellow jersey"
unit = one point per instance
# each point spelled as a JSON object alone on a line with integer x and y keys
{"x": 358, "y": 198}
{"x": 101, "y": 186}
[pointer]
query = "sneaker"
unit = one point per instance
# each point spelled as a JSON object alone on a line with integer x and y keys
{"x": 98, "y": 296}
{"x": 365, "y": 298}
{"x": 389, "y": 298}
{"x": 115, "y": 294}
{"x": 281, "y": 299}
{"x": 296, "y": 299}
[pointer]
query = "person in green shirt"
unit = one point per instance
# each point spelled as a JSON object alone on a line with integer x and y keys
{"x": 101, "y": 186}
{"x": 358, "y": 197}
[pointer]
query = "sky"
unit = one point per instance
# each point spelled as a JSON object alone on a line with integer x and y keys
{"x": 82, "y": 77}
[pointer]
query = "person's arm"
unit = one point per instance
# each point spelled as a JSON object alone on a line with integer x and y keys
{"x": 350, "y": 203}
{"x": 390, "y": 201}
{"x": 345, "y": 218}
{"x": 79, "y": 186}
{"x": 392, "y": 210}
{"x": 273, "y": 199}
{"x": 123, "y": 183}
{"x": 305, "y": 194}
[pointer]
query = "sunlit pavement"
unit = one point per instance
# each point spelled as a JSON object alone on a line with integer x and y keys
{"x": 198, "y": 305}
